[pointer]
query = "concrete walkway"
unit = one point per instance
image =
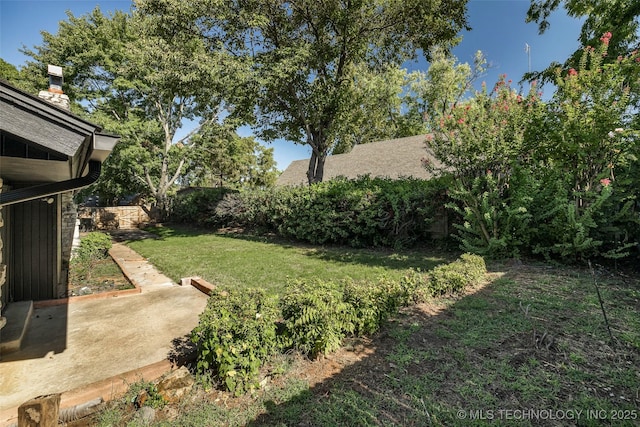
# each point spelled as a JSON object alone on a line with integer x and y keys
{"x": 85, "y": 341}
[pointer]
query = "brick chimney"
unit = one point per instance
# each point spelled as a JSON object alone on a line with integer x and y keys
{"x": 55, "y": 95}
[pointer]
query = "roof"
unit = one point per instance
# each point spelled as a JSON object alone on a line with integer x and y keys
{"x": 394, "y": 158}
{"x": 31, "y": 118}
{"x": 62, "y": 141}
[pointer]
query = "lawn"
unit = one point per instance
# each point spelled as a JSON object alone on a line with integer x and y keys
{"x": 528, "y": 347}
{"x": 241, "y": 261}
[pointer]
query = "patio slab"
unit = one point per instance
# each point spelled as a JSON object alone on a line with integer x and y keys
{"x": 18, "y": 316}
{"x": 73, "y": 345}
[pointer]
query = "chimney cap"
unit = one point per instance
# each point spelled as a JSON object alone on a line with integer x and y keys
{"x": 54, "y": 70}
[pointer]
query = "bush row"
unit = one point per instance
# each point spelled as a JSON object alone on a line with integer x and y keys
{"x": 239, "y": 331}
{"x": 198, "y": 206}
{"x": 363, "y": 212}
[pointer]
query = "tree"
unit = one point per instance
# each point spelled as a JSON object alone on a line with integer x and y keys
{"x": 137, "y": 81}
{"x": 14, "y": 76}
{"x": 9, "y": 72}
{"x": 481, "y": 142}
{"x": 373, "y": 112}
{"x": 222, "y": 158}
{"x": 621, "y": 17}
{"x": 559, "y": 178}
{"x": 304, "y": 53}
{"x": 445, "y": 84}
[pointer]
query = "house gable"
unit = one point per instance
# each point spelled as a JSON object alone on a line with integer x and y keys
{"x": 395, "y": 158}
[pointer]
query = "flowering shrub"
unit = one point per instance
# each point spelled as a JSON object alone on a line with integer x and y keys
{"x": 560, "y": 178}
{"x": 482, "y": 141}
{"x": 587, "y": 136}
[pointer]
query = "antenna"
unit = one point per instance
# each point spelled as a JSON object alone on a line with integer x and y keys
{"x": 527, "y": 49}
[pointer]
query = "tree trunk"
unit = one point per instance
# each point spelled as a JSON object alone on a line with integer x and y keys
{"x": 316, "y": 141}
{"x": 315, "y": 173}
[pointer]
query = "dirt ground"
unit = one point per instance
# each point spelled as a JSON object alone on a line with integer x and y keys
{"x": 106, "y": 277}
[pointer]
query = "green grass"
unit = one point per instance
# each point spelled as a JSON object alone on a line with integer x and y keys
{"x": 480, "y": 354}
{"x": 243, "y": 261}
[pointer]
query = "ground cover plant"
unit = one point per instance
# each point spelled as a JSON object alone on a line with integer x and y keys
{"x": 532, "y": 338}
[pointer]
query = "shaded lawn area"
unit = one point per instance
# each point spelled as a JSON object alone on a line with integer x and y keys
{"x": 529, "y": 348}
{"x": 242, "y": 261}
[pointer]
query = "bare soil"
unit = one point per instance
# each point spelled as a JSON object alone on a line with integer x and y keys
{"x": 106, "y": 276}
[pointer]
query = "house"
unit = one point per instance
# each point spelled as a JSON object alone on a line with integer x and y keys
{"x": 46, "y": 153}
{"x": 395, "y": 158}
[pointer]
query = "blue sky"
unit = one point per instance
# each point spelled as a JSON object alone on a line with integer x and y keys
{"x": 498, "y": 29}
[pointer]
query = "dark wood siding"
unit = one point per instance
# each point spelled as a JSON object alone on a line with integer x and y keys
{"x": 34, "y": 255}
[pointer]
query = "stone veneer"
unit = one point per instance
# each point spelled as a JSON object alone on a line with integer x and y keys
{"x": 58, "y": 99}
{"x": 69, "y": 238}
{"x": 69, "y": 225}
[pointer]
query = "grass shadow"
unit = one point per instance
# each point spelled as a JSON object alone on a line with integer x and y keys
{"x": 479, "y": 359}
{"x": 423, "y": 257}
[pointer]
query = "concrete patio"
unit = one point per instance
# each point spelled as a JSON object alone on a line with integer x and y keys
{"x": 89, "y": 344}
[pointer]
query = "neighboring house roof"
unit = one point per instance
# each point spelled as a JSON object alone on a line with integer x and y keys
{"x": 394, "y": 158}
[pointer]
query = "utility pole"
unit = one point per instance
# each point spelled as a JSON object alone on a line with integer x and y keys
{"x": 527, "y": 49}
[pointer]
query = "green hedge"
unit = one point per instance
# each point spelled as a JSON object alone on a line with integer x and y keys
{"x": 454, "y": 277}
{"x": 362, "y": 212}
{"x": 235, "y": 335}
{"x": 199, "y": 206}
{"x": 238, "y": 331}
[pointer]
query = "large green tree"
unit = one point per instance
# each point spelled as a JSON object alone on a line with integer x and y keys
{"x": 373, "y": 112}
{"x": 305, "y": 53}
{"x": 621, "y": 18}
{"x": 222, "y": 158}
{"x": 129, "y": 75}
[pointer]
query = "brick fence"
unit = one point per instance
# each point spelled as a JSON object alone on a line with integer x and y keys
{"x": 112, "y": 218}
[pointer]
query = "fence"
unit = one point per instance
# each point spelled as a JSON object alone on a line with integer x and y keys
{"x": 112, "y": 218}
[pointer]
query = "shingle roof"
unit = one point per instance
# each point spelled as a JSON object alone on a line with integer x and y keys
{"x": 394, "y": 158}
{"x": 35, "y": 120}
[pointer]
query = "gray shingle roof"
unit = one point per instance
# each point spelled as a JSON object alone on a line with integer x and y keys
{"x": 394, "y": 158}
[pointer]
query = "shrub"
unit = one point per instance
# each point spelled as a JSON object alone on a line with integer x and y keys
{"x": 237, "y": 332}
{"x": 372, "y": 303}
{"x": 316, "y": 317}
{"x": 558, "y": 178}
{"x": 362, "y": 212}
{"x": 94, "y": 245}
{"x": 454, "y": 277}
{"x": 198, "y": 206}
{"x": 235, "y": 335}
{"x": 415, "y": 288}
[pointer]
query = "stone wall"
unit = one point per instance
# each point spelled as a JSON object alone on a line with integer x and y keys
{"x": 69, "y": 238}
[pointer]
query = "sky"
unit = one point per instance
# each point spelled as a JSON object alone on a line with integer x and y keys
{"x": 498, "y": 29}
